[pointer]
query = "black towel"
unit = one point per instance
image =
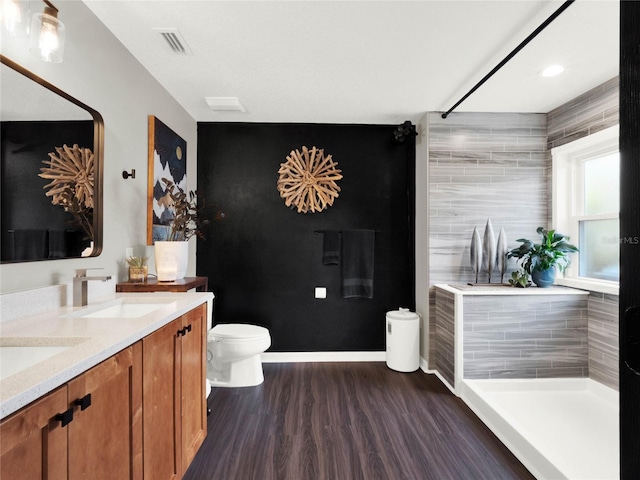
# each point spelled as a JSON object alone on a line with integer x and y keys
{"x": 357, "y": 263}
{"x": 31, "y": 244}
{"x": 331, "y": 247}
{"x": 57, "y": 244}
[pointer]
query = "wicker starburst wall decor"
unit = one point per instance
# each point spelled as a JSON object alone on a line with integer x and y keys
{"x": 308, "y": 179}
{"x": 71, "y": 174}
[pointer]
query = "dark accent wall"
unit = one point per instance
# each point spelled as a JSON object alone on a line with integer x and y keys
{"x": 264, "y": 260}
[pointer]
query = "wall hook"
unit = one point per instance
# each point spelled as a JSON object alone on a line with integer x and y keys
{"x": 126, "y": 174}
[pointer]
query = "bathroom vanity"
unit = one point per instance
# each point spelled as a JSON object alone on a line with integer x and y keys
{"x": 121, "y": 394}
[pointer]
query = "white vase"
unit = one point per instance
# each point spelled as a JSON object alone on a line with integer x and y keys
{"x": 171, "y": 260}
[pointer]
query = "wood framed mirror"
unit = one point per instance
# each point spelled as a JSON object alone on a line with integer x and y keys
{"x": 43, "y": 218}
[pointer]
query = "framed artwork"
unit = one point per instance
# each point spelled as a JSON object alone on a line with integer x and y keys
{"x": 167, "y": 159}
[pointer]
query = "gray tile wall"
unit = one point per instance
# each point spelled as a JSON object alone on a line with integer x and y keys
{"x": 525, "y": 336}
{"x": 481, "y": 165}
{"x": 589, "y": 113}
{"x": 498, "y": 166}
{"x": 603, "y": 339}
{"x": 445, "y": 335}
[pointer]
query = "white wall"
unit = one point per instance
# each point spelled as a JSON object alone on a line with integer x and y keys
{"x": 100, "y": 72}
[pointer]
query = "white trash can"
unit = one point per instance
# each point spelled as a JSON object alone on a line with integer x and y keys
{"x": 403, "y": 340}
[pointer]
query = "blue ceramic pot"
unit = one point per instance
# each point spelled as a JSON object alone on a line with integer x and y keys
{"x": 544, "y": 278}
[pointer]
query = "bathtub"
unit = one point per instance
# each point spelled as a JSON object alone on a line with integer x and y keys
{"x": 560, "y": 428}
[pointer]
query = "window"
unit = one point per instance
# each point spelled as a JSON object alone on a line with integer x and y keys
{"x": 586, "y": 206}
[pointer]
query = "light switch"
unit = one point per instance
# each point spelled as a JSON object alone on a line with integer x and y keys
{"x": 321, "y": 292}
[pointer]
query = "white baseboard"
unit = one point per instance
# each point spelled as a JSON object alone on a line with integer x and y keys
{"x": 424, "y": 366}
{"x": 446, "y": 384}
{"x": 294, "y": 357}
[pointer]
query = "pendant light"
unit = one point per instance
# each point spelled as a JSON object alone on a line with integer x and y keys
{"x": 47, "y": 34}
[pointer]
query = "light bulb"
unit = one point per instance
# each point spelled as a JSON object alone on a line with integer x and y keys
{"x": 47, "y": 36}
{"x": 48, "y": 42}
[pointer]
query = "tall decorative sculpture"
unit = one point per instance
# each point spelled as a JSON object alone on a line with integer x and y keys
{"x": 486, "y": 255}
{"x": 476, "y": 253}
{"x": 488, "y": 250}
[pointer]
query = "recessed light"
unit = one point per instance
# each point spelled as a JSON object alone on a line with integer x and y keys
{"x": 224, "y": 104}
{"x": 552, "y": 71}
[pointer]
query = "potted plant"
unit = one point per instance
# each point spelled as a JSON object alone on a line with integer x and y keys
{"x": 519, "y": 278}
{"x": 188, "y": 220}
{"x": 138, "y": 269}
{"x": 540, "y": 260}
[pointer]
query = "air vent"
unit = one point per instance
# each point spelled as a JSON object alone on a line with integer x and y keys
{"x": 224, "y": 104}
{"x": 175, "y": 40}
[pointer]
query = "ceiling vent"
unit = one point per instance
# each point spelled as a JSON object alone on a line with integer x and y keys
{"x": 224, "y": 104}
{"x": 175, "y": 40}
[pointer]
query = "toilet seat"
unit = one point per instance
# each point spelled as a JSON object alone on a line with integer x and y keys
{"x": 237, "y": 332}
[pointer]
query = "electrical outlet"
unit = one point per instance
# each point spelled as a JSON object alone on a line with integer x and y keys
{"x": 321, "y": 292}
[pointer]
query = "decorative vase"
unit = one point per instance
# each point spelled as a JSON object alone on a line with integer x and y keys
{"x": 88, "y": 250}
{"x": 544, "y": 278}
{"x": 138, "y": 274}
{"x": 488, "y": 250}
{"x": 171, "y": 260}
{"x": 475, "y": 253}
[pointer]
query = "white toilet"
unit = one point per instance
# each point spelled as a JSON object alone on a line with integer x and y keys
{"x": 233, "y": 354}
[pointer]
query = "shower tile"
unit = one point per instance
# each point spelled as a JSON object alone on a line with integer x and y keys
{"x": 527, "y": 334}
{"x": 570, "y": 372}
{"x": 500, "y": 157}
{"x": 511, "y": 373}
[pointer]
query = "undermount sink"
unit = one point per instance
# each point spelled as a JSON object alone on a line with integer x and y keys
{"x": 20, "y": 353}
{"x": 124, "y": 308}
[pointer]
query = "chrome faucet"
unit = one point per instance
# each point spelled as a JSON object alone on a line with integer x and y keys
{"x": 80, "y": 280}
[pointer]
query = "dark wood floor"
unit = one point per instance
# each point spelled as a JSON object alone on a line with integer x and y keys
{"x": 347, "y": 421}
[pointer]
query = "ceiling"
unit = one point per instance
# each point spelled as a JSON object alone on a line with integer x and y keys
{"x": 366, "y": 61}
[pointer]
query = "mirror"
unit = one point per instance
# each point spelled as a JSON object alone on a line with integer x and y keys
{"x": 54, "y": 213}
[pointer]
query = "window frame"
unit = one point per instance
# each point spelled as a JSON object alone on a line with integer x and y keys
{"x": 566, "y": 177}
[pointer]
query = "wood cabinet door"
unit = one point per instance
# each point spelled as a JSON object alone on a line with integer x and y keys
{"x": 33, "y": 444}
{"x": 193, "y": 394}
{"x": 161, "y": 394}
{"x": 105, "y": 434}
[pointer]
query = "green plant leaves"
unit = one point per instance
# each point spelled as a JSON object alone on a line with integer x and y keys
{"x": 552, "y": 251}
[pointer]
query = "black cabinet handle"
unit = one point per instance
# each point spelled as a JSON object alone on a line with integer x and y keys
{"x": 84, "y": 402}
{"x": 65, "y": 417}
{"x": 183, "y": 331}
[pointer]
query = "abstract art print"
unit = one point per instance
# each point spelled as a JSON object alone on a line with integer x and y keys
{"x": 167, "y": 159}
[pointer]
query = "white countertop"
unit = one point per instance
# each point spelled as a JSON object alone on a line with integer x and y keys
{"x": 504, "y": 289}
{"x": 91, "y": 340}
